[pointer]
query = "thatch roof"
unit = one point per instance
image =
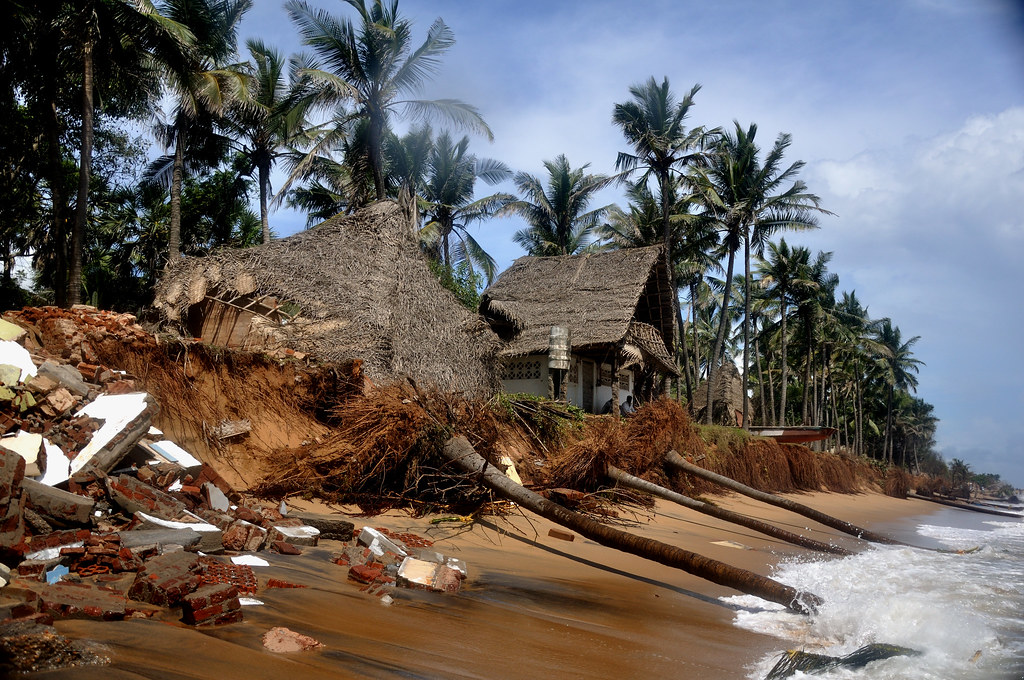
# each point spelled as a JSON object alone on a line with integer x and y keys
{"x": 353, "y": 287}
{"x": 726, "y": 394}
{"x": 609, "y": 299}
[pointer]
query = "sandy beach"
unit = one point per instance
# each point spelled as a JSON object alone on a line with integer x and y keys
{"x": 533, "y": 606}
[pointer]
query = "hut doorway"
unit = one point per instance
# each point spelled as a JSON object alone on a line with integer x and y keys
{"x": 587, "y": 381}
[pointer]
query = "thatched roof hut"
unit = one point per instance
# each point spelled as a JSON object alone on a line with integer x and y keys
{"x": 353, "y": 287}
{"x": 617, "y": 300}
{"x": 726, "y": 395}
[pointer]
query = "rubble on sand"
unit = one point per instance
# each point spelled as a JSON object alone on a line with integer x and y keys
{"x": 103, "y": 518}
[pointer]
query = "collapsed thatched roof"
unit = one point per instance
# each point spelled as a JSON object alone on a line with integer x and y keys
{"x": 616, "y": 298}
{"x": 355, "y": 287}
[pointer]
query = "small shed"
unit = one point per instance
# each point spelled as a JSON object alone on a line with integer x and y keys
{"x": 617, "y": 307}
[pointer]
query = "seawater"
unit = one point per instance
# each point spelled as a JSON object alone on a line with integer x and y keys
{"x": 963, "y": 612}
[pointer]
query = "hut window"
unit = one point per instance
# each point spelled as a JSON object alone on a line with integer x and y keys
{"x": 606, "y": 376}
{"x": 523, "y": 368}
{"x": 623, "y": 381}
{"x": 574, "y": 372}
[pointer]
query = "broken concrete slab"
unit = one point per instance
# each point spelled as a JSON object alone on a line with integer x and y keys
{"x": 57, "y": 506}
{"x": 172, "y": 453}
{"x": 300, "y": 535}
{"x": 331, "y": 528}
{"x": 11, "y": 331}
{"x": 28, "y": 445}
{"x": 379, "y": 544}
{"x": 423, "y": 575}
{"x": 215, "y": 498}
{"x": 138, "y": 538}
{"x": 126, "y": 419}
{"x": 65, "y": 375}
{"x": 14, "y": 354}
{"x": 210, "y": 537}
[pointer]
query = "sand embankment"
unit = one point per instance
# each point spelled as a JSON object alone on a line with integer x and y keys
{"x": 534, "y": 606}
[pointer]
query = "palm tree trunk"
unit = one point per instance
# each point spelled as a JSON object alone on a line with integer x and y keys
{"x": 675, "y": 460}
{"x": 459, "y": 451}
{"x": 746, "y": 326}
{"x": 85, "y": 166}
{"x": 264, "y": 190}
{"x": 58, "y": 201}
{"x": 784, "y": 379}
{"x": 720, "y": 340}
{"x": 174, "y": 235}
{"x": 887, "y": 445}
{"x": 685, "y": 351}
{"x": 760, "y": 378}
{"x": 627, "y": 480}
{"x": 807, "y": 373}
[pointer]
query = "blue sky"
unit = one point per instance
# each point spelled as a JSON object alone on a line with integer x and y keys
{"x": 908, "y": 113}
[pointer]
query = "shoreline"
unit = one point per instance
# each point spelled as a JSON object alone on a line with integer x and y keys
{"x": 533, "y": 605}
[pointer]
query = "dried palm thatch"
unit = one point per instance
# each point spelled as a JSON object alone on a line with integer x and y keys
{"x": 637, "y": 445}
{"x": 614, "y": 300}
{"x": 353, "y": 287}
{"x": 386, "y": 449}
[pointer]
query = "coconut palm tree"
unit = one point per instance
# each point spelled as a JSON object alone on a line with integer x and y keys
{"x": 372, "y": 65}
{"x": 783, "y": 277}
{"x": 203, "y": 86}
{"x": 558, "y": 219}
{"x": 653, "y": 124}
{"x": 750, "y": 201}
{"x": 448, "y": 198}
{"x": 270, "y": 118}
{"x": 118, "y": 44}
{"x": 900, "y": 368}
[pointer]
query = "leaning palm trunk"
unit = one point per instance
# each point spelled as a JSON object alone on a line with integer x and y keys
{"x": 627, "y": 480}
{"x": 459, "y": 451}
{"x": 675, "y": 460}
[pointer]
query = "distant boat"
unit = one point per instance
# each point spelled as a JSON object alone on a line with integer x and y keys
{"x": 794, "y": 434}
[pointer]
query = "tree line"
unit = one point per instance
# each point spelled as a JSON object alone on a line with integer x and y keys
{"x": 84, "y": 82}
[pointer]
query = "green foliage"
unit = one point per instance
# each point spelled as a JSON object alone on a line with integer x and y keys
{"x": 549, "y": 421}
{"x": 464, "y": 283}
{"x": 724, "y": 438}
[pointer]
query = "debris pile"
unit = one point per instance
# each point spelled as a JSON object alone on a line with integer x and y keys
{"x": 102, "y": 518}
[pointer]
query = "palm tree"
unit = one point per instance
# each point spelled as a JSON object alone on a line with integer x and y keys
{"x": 448, "y": 199}
{"x": 203, "y": 87}
{"x": 558, "y": 219}
{"x": 749, "y": 201}
{"x": 270, "y": 119}
{"x": 783, "y": 279}
{"x": 120, "y": 42}
{"x": 899, "y": 369}
{"x": 653, "y": 124}
{"x": 373, "y": 65}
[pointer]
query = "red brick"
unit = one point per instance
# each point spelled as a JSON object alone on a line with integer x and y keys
{"x": 364, "y": 573}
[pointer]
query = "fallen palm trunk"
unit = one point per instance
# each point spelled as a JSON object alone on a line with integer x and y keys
{"x": 459, "y": 451}
{"x": 675, "y": 460}
{"x": 965, "y": 506}
{"x": 628, "y": 480}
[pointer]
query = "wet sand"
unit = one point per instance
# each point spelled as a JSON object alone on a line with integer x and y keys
{"x": 533, "y": 606}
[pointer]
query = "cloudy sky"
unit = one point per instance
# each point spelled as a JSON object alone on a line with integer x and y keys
{"x": 908, "y": 113}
